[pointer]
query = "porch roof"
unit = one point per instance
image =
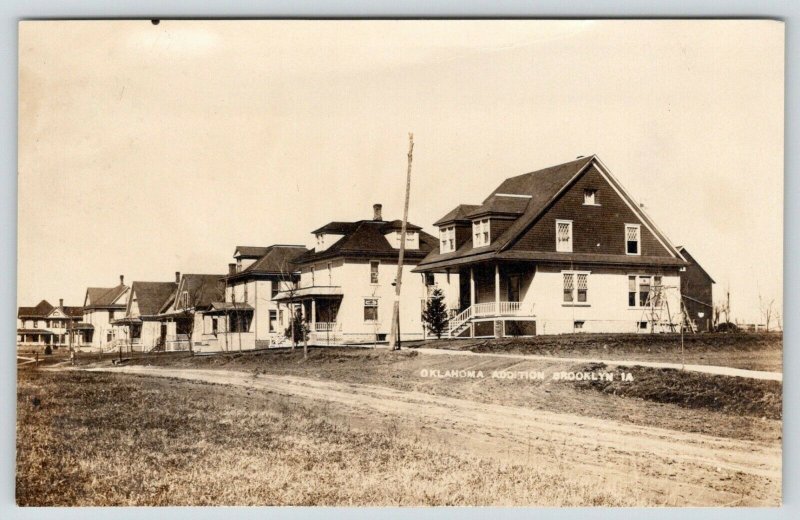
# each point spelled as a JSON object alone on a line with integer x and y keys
{"x": 82, "y": 326}
{"x": 35, "y": 331}
{"x": 551, "y": 258}
{"x": 126, "y": 321}
{"x": 310, "y": 292}
{"x": 226, "y": 307}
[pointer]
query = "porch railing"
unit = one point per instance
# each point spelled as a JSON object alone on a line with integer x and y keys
{"x": 326, "y": 326}
{"x": 487, "y": 309}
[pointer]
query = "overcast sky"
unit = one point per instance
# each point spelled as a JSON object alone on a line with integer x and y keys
{"x": 145, "y": 150}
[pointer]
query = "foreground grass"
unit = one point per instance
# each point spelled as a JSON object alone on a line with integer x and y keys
{"x": 100, "y": 439}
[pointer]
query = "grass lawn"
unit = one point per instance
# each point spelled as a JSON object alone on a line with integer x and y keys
{"x": 99, "y": 439}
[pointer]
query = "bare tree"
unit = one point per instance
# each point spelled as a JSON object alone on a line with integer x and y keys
{"x": 766, "y": 309}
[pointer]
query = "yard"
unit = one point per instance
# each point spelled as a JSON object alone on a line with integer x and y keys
{"x": 373, "y": 427}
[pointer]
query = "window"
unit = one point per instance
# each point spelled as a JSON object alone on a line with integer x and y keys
{"x": 184, "y": 302}
{"x": 373, "y": 271}
{"x": 110, "y": 315}
{"x": 569, "y": 286}
{"x": 370, "y": 309}
{"x": 576, "y": 287}
{"x": 447, "y": 239}
{"x": 245, "y": 293}
{"x": 35, "y": 324}
{"x": 240, "y": 321}
{"x": 429, "y": 279}
{"x": 564, "y": 236}
{"x": 643, "y": 325}
{"x": 480, "y": 233}
{"x": 632, "y": 235}
{"x": 578, "y": 325}
{"x": 590, "y": 197}
{"x": 320, "y": 241}
{"x": 275, "y": 288}
{"x": 214, "y": 325}
{"x": 313, "y": 276}
{"x": 273, "y": 321}
{"x": 644, "y": 291}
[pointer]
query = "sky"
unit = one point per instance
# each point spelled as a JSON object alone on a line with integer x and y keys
{"x": 148, "y": 149}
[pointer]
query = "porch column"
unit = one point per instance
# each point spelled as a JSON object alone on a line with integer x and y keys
{"x": 471, "y": 287}
{"x": 303, "y": 310}
{"x": 497, "y": 289}
{"x": 313, "y": 315}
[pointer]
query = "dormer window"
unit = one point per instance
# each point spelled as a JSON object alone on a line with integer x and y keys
{"x": 564, "y": 236}
{"x": 320, "y": 241}
{"x": 447, "y": 239}
{"x": 590, "y": 197}
{"x": 480, "y": 232}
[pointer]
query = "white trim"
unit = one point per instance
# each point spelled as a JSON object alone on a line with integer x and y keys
{"x": 575, "y": 302}
{"x": 617, "y": 187}
{"x": 638, "y": 239}
{"x": 488, "y": 231}
{"x": 519, "y": 196}
{"x": 569, "y": 244}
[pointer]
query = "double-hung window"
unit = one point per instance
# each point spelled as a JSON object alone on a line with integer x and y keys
{"x": 633, "y": 239}
{"x": 480, "y": 232}
{"x": 645, "y": 291}
{"x": 576, "y": 287}
{"x": 564, "y": 236}
{"x": 373, "y": 271}
{"x": 370, "y": 309}
{"x": 447, "y": 239}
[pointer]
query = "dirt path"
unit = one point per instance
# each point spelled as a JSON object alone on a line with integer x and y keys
{"x": 706, "y": 369}
{"x": 669, "y": 466}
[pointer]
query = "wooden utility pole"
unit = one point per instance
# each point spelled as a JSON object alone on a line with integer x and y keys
{"x": 394, "y": 337}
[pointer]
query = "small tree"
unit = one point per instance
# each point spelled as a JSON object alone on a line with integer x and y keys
{"x": 297, "y": 329}
{"x": 435, "y": 313}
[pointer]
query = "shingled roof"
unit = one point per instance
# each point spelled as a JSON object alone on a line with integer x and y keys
{"x": 527, "y": 197}
{"x": 150, "y": 296}
{"x": 41, "y": 310}
{"x": 250, "y": 251}
{"x": 202, "y": 290}
{"x": 104, "y": 297}
{"x": 366, "y": 238}
{"x": 277, "y": 260}
{"x": 457, "y": 214}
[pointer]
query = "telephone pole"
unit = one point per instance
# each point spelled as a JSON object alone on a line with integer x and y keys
{"x": 394, "y": 337}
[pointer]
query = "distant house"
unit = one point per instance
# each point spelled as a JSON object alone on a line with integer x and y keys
{"x": 139, "y": 326}
{"x": 697, "y": 290}
{"x": 181, "y": 317}
{"x": 346, "y": 289}
{"x": 45, "y": 324}
{"x": 248, "y": 317}
{"x": 101, "y": 306}
{"x": 559, "y": 250}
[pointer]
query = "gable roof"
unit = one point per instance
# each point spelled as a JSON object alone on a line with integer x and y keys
{"x": 544, "y": 187}
{"x": 689, "y": 258}
{"x": 203, "y": 290}
{"x": 502, "y": 205}
{"x": 277, "y": 260}
{"x": 73, "y": 311}
{"x": 150, "y": 296}
{"x": 41, "y": 310}
{"x": 104, "y": 297}
{"x": 249, "y": 251}
{"x": 457, "y": 214}
{"x": 367, "y": 238}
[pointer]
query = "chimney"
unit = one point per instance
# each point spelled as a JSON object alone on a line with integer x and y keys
{"x": 122, "y": 279}
{"x": 61, "y": 302}
{"x": 231, "y": 269}
{"x": 376, "y": 208}
{"x": 177, "y": 277}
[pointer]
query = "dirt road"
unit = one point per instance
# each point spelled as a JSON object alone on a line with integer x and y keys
{"x": 669, "y": 467}
{"x": 706, "y": 369}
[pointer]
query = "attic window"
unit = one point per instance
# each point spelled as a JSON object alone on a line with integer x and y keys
{"x": 564, "y": 236}
{"x": 590, "y": 197}
{"x": 632, "y": 239}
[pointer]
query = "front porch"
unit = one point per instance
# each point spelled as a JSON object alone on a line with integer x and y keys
{"x": 493, "y": 302}
{"x": 319, "y": 308}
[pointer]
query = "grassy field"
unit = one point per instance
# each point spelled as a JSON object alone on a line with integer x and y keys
{"x": 98, "y": 439}
{"x": 753, "y": 351}
{"x": 354, "y": 426}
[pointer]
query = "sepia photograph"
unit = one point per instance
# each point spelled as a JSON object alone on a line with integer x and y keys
{"x": 532, "y": 263}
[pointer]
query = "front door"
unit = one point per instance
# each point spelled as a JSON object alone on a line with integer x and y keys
{"x": 463, "y": 290}
{"x": 513, "y": 288}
